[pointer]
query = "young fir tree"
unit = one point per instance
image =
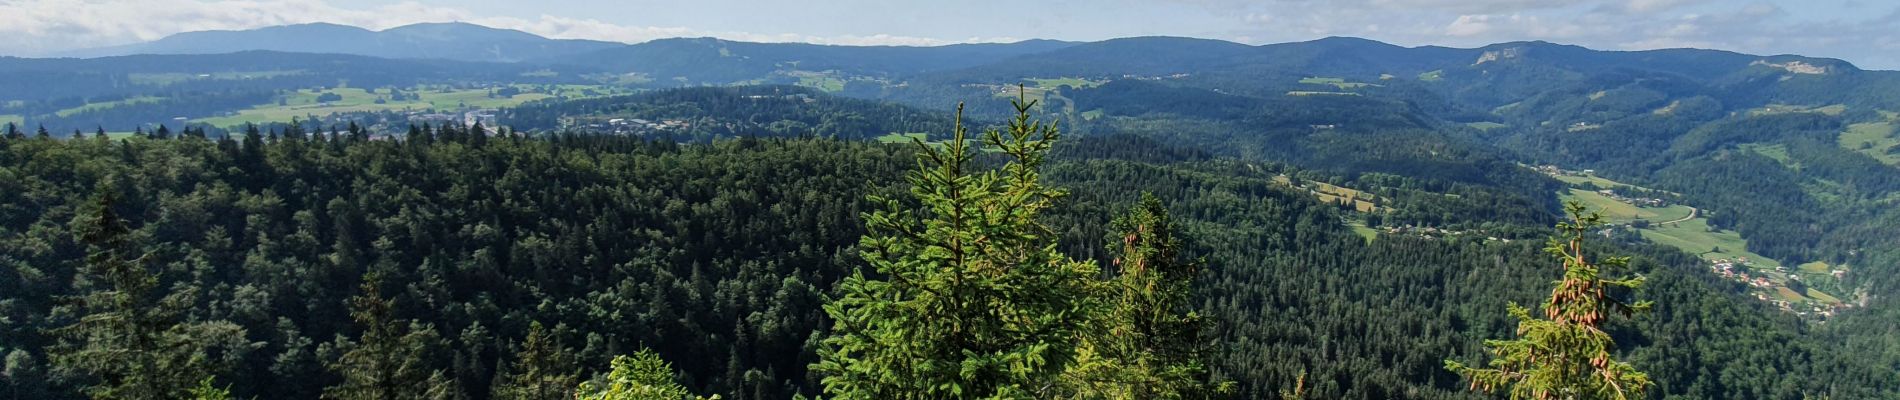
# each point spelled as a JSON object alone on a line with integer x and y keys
{"x": 643, "y": 376}
{"x": 1149, "y": 346}
{"x": 127, "y": 341}
{"x": 543, "y": 370}
{"x": 207, "y": 391}
{"x": 971, "y": 299}
{"x": 1566, "y": 354}
{"x": 388, "y": 362}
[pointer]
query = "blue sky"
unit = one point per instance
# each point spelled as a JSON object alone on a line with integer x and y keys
{"x": 1866, "y": 32}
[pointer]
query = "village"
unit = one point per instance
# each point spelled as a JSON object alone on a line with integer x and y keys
{"x": 1633, "y": 208}
{"x": 1767, "y": 290}
{"x": 485, "y": 117}
{"x": 637, "y": 126}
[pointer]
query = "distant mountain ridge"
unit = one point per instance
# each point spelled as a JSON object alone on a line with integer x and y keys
{"x": 711, "y": 60}
{"x": 718, "y": 61}
{"x": 450, "y": 41}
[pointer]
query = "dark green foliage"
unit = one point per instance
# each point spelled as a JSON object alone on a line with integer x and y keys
{"x": 970, "y": 299}
{"x": 206, "y": 391}
{"x": 390, "y": 360}
{"x": 717, "y": 256}
{"x": 542, "y": 370}
{"x": 642, "y": 376}
{"x": 718, "y": 112}
{"x": 127, "y": 341}
{"x": 1149, "y": 344}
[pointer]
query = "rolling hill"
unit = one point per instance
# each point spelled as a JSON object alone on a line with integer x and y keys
{"x": 449, "y": 41}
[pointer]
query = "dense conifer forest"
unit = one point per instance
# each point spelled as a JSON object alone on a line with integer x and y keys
{"x": 293, "y": 264}
{"x": 1135, "y": 218}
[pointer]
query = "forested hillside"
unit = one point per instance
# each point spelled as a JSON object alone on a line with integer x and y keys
{"x": 717, "y": 257}
{"x": 1335, "y": 218}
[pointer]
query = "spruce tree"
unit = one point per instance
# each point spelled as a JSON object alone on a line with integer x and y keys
{"x": 387, "y": 363}
{"x": 127, "y": 341}
{"x": 23, "y": 376}
{"x": 643, "y": 376}
{"x": 1566, "y": 354}
{"x": 970, "y": 298}
{"x": 543, "y": 370}
{"x": 206, "y": 390}
{"x": 1150, "y": 344}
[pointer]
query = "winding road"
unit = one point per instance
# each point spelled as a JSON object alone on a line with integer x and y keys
{"x": 1692, "y": 212}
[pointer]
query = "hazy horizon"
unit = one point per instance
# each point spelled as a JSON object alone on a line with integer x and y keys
{"x": 1853, "y": 30}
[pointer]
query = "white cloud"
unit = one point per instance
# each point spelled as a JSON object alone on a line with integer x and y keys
{"x": 1469, "y": 25}
{"x": 51, "y": 25}
{"x": 1650, "y": 6}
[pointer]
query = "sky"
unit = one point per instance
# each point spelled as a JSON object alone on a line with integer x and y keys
{"x": 1865, "y": 32}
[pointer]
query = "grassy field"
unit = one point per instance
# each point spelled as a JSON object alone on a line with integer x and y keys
{"x": 1335, "y": 82}
{"x": 1331, "y": 194}
{"x": 1092, "y": 115}
{"x": 1078, "y": 83}
{"x": 1313, "y": 93}
{"x": 1507, "y": 107}
{"x": 1822, "y": 296}
{"x": 1363, "y": 231}
{"x": 1872, "y": 139}
{"x": 304, "y": 103}
{"x": 1773, "y": 109}
{"x": 905, "y": 138}
{"x": 1694, "y": 237}
{"x": 174, "y": 77}
{"x": 105, "y": 105}
{"x": 1778, "y": 152}
{"x": 1033, "y": 93}
{"x": 1593, "y": 179}
{"x": 825, "y": 83}
{"x": 1668, "y": 109}
{"x": 819, "y": 80}
{"x": 12, "y": 119}
{"x": 1432, "y": 76}
{"x": 902, "y": 137}
{"x": 1784, "y": 293}
{"x": 1620, "y": 212}
{"x": 1486, "y": 125}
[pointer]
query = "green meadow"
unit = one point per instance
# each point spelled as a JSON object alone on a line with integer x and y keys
{"x": 1874, "y": 139}
{"x": 303, "y": 103}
